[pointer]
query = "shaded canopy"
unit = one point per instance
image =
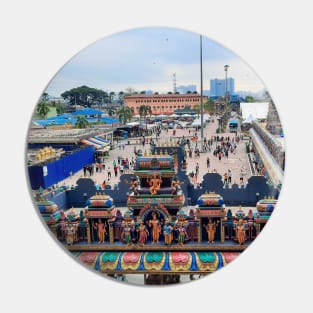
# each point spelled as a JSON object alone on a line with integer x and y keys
{"x": 88, "y": 112}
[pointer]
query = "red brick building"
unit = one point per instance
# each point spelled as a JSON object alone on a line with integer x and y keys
{"x": 163, "y": 104}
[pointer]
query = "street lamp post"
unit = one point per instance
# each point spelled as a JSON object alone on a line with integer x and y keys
{"x": 226, "y": 90}
{"x": 201, "y": 92}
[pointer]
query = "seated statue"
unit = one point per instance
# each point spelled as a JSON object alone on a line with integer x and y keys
{"x": 155, "y": 184}
{"x": 175, "y": 186}
{"x": 134, "y": 187}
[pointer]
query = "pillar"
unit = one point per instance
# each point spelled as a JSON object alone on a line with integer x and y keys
{"x": 88, "y": 233}
{"x": 199, "y": 230}
{"x": 111, "y": 233}
{"x": 222, "y": 232}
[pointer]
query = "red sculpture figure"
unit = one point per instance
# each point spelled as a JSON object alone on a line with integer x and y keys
{"x": 143, "y": 233}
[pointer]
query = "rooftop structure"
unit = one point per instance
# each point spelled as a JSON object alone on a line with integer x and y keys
{"x": 163, "y": 103}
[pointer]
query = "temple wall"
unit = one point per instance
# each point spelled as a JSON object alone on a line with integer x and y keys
{"x": 256, "y": 189}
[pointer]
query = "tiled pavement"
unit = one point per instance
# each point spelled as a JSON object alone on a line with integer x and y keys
{"x": 234, "y": 162}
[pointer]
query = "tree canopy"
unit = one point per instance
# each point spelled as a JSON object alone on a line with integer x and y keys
{"x": 43, "y": 109}
{"x": 42, "y": 106}
{"x": 249, "y": 99}
{"x": 145, "y": 110}
{"x": 125, "y": 114}
{"x": 208, "y": 106}
{"x": 86, "y": 96}
{"x": 81, "y": 122}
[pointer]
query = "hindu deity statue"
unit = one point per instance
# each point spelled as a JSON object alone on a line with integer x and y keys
{"x": 127, "y": 233}
{"x": 155, "y": 183}
{"x": 70, "y": 233}
{"x": 134, "y": 187}
{"x": 168, "y": 232}
{"x": 156, "y": 228}
{"x": 250, "y": 224}
{"x": 182, "y": 234}
{"x": 241, "y": 232}
{"x": 229, "y": 224}
{"x": 211, "y": 229}
{"x": 100, "y": 227}
{"x": 175, "y": 186}
{"x": 143, "y": 233}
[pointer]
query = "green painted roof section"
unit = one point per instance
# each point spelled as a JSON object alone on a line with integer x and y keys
{"x": 154, "y": 257}
{"x": 109, "y": 256}
{"x": 206, "y": 257}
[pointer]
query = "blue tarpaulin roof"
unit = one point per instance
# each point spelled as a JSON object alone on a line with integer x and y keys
{"x": 87, "y": 112}
{"x": 68, "y": 118}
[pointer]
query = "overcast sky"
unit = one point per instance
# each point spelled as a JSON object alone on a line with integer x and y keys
{"x": 146, "y": 58}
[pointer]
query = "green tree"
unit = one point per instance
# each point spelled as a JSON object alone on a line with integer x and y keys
{"x": 196, "y": 107}
{"x": 111, "y": 112}
{"x": 129, "y": 91}
{"x": 85, "y": 96}
{"x": 43, "y": 109}
{"x": 111, "y": 96}
{"x": 145, "y": 110}
{"x": 60, "y": 108}
{"x": 45, "y": 97}
{"x": 121, "y": 97}
{"x": 208, "y": 105}
{"x": 249, "y": 99}
{"x": 81, "y": 122}
{"x": 125, "y": 114}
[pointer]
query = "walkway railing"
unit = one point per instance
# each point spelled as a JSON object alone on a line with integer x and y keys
{"x": 272, "y": 144}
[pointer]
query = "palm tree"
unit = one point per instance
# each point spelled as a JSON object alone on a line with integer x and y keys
{"x": 121, "y": 97}
{"x": 125, "y": 114}
{"x": 145, "y": 110}
{"x": 111, "y": 96}
{"x": 196, "y": 107}
{"x": 43, "y": 109}
{"x": 81, "y": 122}
{"x": 208, "y": 106}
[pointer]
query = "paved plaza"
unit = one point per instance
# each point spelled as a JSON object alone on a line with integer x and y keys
{"x": 234, "y": 162}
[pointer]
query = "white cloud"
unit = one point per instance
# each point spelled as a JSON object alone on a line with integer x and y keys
{"x": 147, "y": 58}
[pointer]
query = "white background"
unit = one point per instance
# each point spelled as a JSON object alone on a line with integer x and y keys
{"x": 274, "y": 37}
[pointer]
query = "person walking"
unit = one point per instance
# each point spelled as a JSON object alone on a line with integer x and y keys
{"x": 229, "y": 176}
{"x": 208, "y": 162}
{"x": 197, "y": 168}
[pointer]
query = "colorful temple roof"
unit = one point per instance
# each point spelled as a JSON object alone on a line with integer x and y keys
{"x": 101, "y": 201}
{"x": 100, "y": 205}
{"x": 210, "y": 204}
{"x": 266, "y": 205}
{"x": 166, "y": 199}
{"x": 46, "y": 206}
{"x": 265, "y": 208}
{"x": 156, "y": 262}
{"x": 148, "y": 165}
{"x": 210, "y": 199}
